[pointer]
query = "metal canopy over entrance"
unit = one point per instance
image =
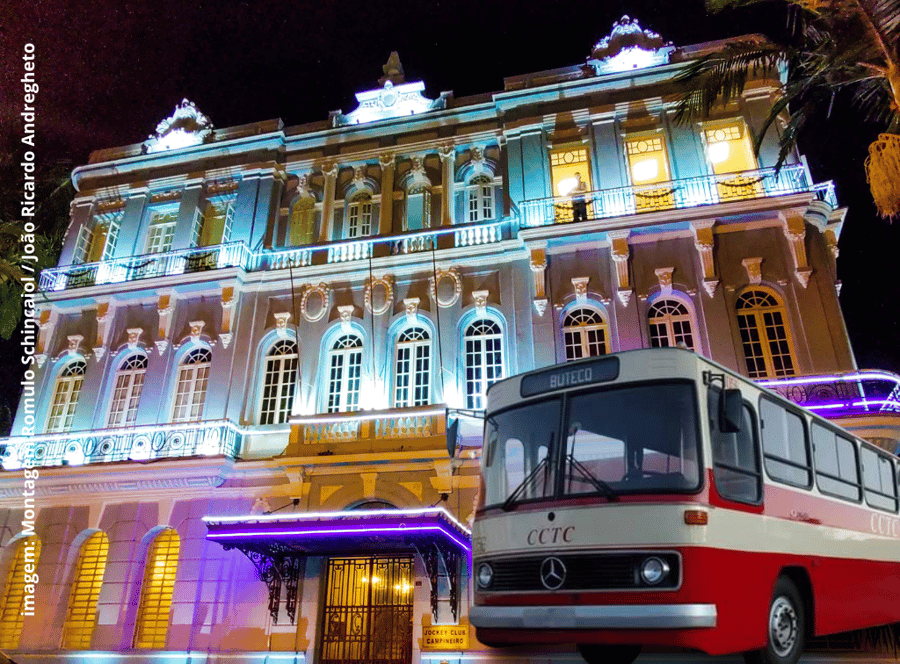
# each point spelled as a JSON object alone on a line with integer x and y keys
{"x": 277, "y": 545}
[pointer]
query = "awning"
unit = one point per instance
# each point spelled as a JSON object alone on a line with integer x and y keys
{"x": 277, "y": 544}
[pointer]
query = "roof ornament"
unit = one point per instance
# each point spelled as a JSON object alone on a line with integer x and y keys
{"x": 395, "y": 98}
{"x": 186, "y": 126}
{"x": 629, "y": 47}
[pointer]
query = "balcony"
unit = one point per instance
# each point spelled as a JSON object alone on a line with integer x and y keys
{"x": 133, "y": 268}
{"x": 422, "y": 427}
{"x": 146, "y": 443}
{"x": 676, "y": 194}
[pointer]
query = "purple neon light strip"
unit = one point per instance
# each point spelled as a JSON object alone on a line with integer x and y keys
{"x": 855, "y": 404}
{"x": 339, "y": 531}
{"x": 843, "y": 378}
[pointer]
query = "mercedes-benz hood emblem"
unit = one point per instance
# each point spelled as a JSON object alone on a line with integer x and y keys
{"x": 553, "y": 573}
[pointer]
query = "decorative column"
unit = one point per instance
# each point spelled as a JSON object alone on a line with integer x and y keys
{"x": 46, "y": 321}
{"x": 330, "y": 171}
{"x": 795, "y": 232}
{"x": 538, "y": 269}
{"x": 386, "y": 222}
{"x": 703, "y": 242}
{"x": 104, "y": 318}
{"x": 164, "y": 307}
{"x": 133, "y": 229}
{"x": 227, "y": 315}
{"x": 448, "y": 157}
{"x": 621, "y": 252}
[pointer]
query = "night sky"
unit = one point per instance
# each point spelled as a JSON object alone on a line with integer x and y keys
{"x": 110, "y": 70}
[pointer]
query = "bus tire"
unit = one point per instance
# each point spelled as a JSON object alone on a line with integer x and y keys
{"x": 785, "y": 627}
{"x": 594, "y": 653}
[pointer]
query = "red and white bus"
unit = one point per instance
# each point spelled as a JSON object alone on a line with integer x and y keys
{"x": 656, "y": 497}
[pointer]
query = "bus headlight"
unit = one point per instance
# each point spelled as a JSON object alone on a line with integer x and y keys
{"x": 654, "y": 570}
{"x": 485, "y": 575}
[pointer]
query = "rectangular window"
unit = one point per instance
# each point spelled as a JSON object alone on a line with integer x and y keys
{"x": 83, "y": 245}
{"x": 213, "y": 226}
{"x": 785, "y": 447}
{"x": 730, "y": 151}
{"x": 736, "y": 468}
{"x": 162, "y": 232}
{"x": 570, "y": 175}
{"x": 837, "y": 472}
{"x": 879, "y": 480}
{"x": 648, "y": 165}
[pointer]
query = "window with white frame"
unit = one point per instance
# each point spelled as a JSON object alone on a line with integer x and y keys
{"x": 480, "y": 198}
{"x": 193, "y": 379}
{"x": 97, "y": 243}
{"x": 764, "y": 335}
{"x": 344, "y": 374}
{"x": 279, "y": 382}
{"x": 483, "y": 342}
{"x": 670, "y": 324}
{"x": 162, "y": 231}
{"x": 359, "y": 216}
{"x": 127, "y": 390}
{"x": 584, "y": 334}
{"x": 412, "y": 383}
{"x": 213, "y": 225}
{"x": 65, "y": 396}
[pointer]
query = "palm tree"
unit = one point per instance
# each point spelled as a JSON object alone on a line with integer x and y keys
{"x": 834, "y": 45}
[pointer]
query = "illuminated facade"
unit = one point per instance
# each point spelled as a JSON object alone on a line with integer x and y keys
{"x": 246, "y": 354}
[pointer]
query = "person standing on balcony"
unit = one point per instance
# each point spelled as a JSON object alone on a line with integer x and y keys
{"x": 579, "y": 205}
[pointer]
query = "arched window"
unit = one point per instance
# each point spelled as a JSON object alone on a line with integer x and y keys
{"x": 344, "y": 374}
{"x": 584, "y": 334}
{"x": 279, "y": 382}
{"x": 764, "y": 335}
{"x": 127, "y": 392}
{"x": 302, "y": 221}
{"x": 480, "y": 198}
{"x": 412, "y": 384}
{"x": 484, "y": 360}
{"x": 82, "y": 615}
{"x": 193, "y": 377}
{"x": 12, "y": 603}
{"x": 65, "y": 396}
{"x": 359, "y": 216}
{"x": 156, "y": 592}
{"x": 670, "y": 324}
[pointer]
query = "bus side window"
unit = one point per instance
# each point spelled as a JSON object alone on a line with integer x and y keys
{"x": 735, "y": 460}
{"x": 785, "y": 448}
{"x": 879, "y": 480}
{"x": 837, "y": 472}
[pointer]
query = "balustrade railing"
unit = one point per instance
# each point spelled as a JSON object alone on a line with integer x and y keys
{"x": 407, "y": 423}
{"x": 685, "y": 193}
{"x": 133, "y": 443}
{"x": 860, "y": 393}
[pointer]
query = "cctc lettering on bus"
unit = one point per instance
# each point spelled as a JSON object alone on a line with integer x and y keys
{"x": 550, "y": 535}
{"x": 567, "y": 378}
{"x": 885, "y": 525}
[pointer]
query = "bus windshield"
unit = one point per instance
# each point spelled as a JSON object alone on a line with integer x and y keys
{"x": 624, "y": 440}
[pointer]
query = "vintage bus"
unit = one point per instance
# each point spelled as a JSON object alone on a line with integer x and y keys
{"x": 656, "y": 497}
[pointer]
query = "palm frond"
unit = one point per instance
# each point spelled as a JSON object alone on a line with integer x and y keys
{"x": 872, "y": 100}
{"x": 721, "y": 77}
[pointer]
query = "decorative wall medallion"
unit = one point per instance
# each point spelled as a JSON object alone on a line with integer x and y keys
{"x": 446, "y": 294}
{"x": 379, "y": 294}
{"x": 315, "y": 302}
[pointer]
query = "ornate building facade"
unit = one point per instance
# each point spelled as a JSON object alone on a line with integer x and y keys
{"x": 246, "y": 360}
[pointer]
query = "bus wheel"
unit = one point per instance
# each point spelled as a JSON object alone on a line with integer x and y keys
{"x": 784, "y": 627}
{"x": 601, "y": 654}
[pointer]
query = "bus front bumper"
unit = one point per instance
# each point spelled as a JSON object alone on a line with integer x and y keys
{"x": 627, "y": 616}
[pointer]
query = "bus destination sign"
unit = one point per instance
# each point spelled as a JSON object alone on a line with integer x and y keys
{"x": 598, "y": 371}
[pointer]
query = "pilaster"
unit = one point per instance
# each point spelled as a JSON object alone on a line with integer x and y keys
{"x": 133, "y": 231}
{"x": 705, "y": 245}
{"x": 326, "y": 231}
{"x": 81, "y": 213}
{"x": 448, "y": 160}
{"x": 385, "y": 222}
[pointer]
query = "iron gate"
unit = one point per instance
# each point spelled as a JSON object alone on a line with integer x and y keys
{"x": 368, "y": 611}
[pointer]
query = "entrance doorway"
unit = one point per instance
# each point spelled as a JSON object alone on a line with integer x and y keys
{"x": 368, "y": 611}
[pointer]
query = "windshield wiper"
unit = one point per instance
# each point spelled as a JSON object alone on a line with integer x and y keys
{"x": 599, "y": 484}
{"x": 543, "y": 464}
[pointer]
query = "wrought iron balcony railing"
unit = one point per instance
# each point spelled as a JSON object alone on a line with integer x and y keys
{"x": 855, "y": 394}
{"x": 686, "y": 193}
{"x": 131, "y": 268}
{"x": 140, "y": 443}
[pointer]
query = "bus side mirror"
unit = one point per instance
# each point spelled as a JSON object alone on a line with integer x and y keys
{"x": 730, "y": 411}
{"x": 452, "y": 436}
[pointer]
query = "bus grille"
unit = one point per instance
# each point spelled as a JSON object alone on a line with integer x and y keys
{"x": 619, "y": 571}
